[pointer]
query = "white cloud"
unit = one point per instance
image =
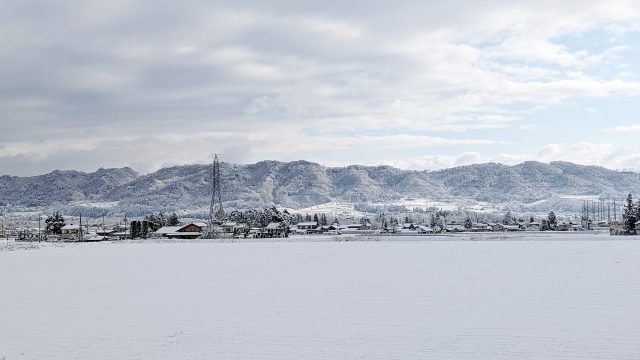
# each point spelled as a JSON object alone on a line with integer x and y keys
{"x": 624, "y": 128}
{"x": 584, "y": 153}
{"x": 263, "y": 73}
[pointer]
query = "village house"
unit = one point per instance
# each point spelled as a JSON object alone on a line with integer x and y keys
{"x": 308, "y": 227}
{"x": 255, "y": 233}
{"x": 616, "y": 228}
{"x": 241, "y": 229}
{"x": 496, "y": 227}
{"x": 422, "y": 229}
{"x": 105, "y": 232}
{"x": 229, "y": 227}
{"x": 70, "y": 232}
{"x": 329, "y": 229}
{"x": 533, "y": 226}
{"x": 188, "y": 231}
{"x": 277, "y": 230}
{"x": 454, "y": 227}
{"x": 511, "y": 228}
{"x": 562, "y": 226}
{"x": 354, "y": 228}
{"x": 481, "y": 227}
{"x": 408, "y": 226}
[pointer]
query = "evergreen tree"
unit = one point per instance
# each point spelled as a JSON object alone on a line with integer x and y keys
{"x": 432, "y": 221}
{"x": 468, "y": 224}
{"x": 55, "y": 222}
{"x": 173, "y": 220}
{"x": 136, "y": 229}
{"x": 439, "y": 224}
{"x": 552, "y": 220}
{"x": 315, "y": 218}
{"x": 146, "y": 229}
{"x": 629, "y": 215}
{"x": 544, "y": 225}
{"x": 156, "y": 221}
{"x": 508, "y": 219}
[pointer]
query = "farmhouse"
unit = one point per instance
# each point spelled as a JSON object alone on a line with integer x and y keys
{"x": 455, "y": 227}
{"x": 328, "y": 229}
{"x": 229, "y": 227}
{"x": 309, "y": 227}
{"x": 188, "y": 231}
{"x": 277, "y": 229}
{"x": 511, "y": 228}
{"x": 616, "y": 228}
{"x": 421, "y": 229}
{"x": 481, "y": 227}
{"x": 354, "y": 228}
{"x": 563, "y": 226}
{"x": 70, "y": 232}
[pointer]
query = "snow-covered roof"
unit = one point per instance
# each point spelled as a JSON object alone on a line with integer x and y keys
{"x": 168, "y": 229}
{"x": 308, "y": 223}
{"x": 200, "y": 224}
{"x": 71, "y": 227}
{"x": 230, "y": 224}
{"x": 274, "y": 225}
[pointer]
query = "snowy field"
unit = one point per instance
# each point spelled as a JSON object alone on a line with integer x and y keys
{"x": 548, "y": 297}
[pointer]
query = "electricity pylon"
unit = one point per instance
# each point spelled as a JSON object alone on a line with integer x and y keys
{"x": 216, "y": 213}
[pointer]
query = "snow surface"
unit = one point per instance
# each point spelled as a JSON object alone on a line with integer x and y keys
{"x": 553, "y": 297}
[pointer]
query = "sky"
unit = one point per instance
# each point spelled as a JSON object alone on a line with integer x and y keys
{"x": 414, "y": 84}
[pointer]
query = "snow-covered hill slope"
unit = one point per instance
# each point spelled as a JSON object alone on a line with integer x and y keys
{"x": 301, "y": 184}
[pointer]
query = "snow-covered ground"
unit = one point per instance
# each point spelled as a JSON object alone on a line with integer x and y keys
{"x": 552, "y": 297}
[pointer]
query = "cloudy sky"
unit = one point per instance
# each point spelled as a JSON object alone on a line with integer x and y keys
{"x": 415, "y": 84}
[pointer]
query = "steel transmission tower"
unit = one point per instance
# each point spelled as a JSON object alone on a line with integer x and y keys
{"x": 216, "y": 213}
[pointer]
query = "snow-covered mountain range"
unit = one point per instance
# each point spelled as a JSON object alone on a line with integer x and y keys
{"x": 530, "y": 185}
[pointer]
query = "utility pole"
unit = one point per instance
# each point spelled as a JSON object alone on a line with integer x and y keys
{"x": 3, "y": 231}
{"x": 81, "y": 227}
{"x": 39, "y": 233}
{"x": 587, "y": 212}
